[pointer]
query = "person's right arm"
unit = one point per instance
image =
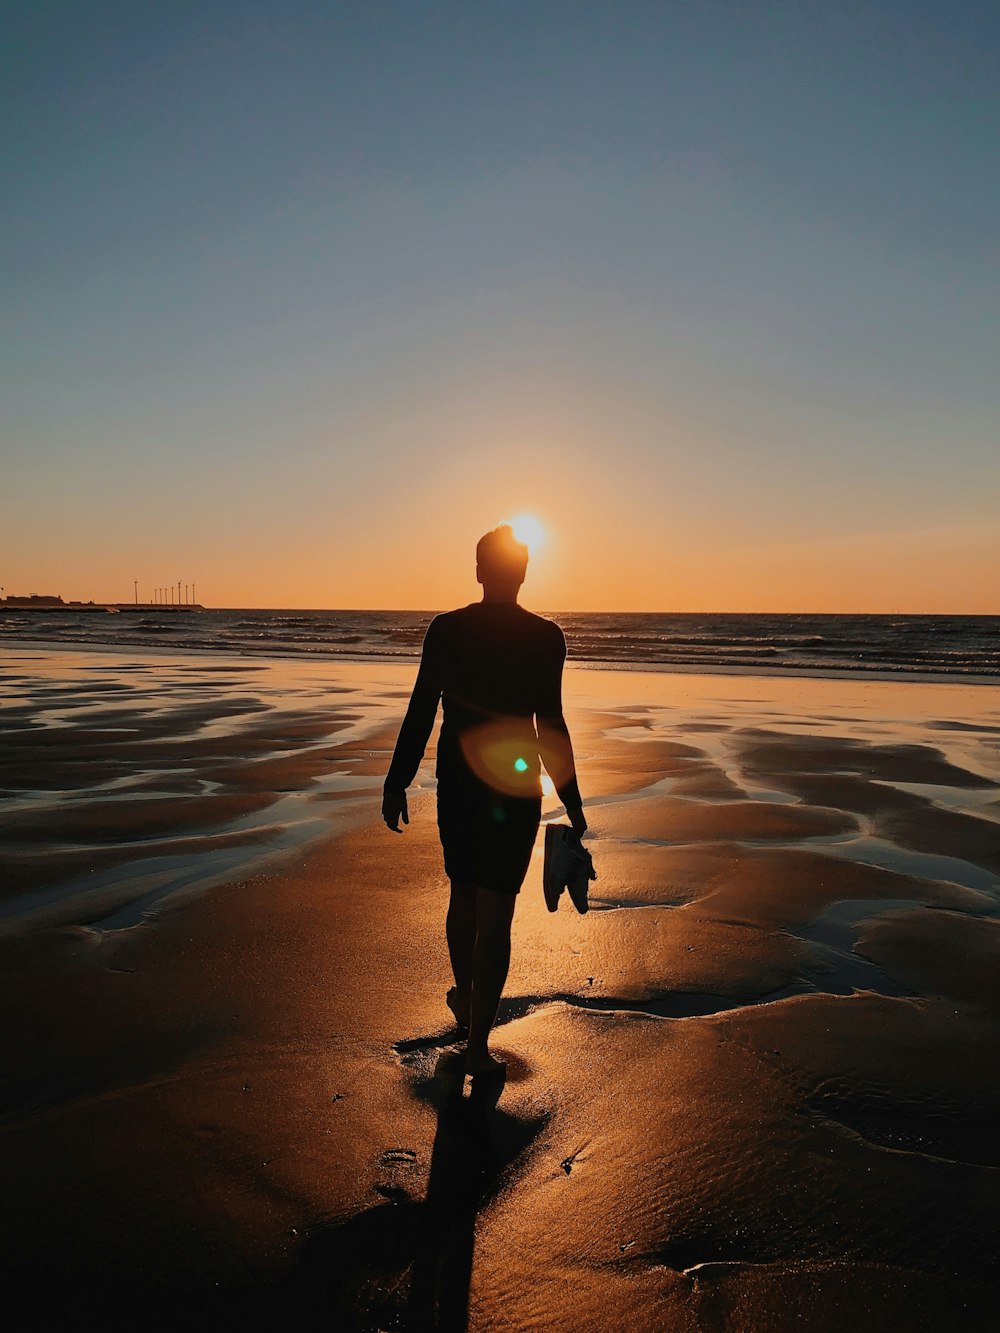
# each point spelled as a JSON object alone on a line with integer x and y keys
{"x": 554, "y": 745}
{"x": 414, "y": 733}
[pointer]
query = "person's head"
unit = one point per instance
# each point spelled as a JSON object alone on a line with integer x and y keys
{"x": 501, "y": 560}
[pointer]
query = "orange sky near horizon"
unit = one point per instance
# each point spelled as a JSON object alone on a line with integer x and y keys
{"x": 642, "y": 513}
{"x": 644, "y": 509}
{"x": 582, "y": 566}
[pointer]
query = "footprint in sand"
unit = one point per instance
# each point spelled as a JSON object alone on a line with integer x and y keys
{"x": 397, "y": 1157}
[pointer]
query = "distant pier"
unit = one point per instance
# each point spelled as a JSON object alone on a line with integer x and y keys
{"x": 45, "y": 605}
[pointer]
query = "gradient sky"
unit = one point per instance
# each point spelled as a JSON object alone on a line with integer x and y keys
{"x": 300, "y": 298}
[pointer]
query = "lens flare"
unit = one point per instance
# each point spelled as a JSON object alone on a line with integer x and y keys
{"x": 528, "y": 529}
{"x": 503, "y": 754}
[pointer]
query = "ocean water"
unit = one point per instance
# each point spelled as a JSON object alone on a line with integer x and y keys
{"x": 964, "y": 647}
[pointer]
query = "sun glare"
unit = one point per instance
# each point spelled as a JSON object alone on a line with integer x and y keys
{"x": 528, "y": 530}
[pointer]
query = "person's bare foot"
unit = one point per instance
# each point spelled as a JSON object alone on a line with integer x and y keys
{"x": 483, "y": 1063}
{"x": 459, "y": 1011}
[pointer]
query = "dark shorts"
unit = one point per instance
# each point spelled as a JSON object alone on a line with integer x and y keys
{"x": 487, "y": 838}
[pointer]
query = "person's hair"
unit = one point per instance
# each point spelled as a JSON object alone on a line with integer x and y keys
{"x": 500, "y": 557}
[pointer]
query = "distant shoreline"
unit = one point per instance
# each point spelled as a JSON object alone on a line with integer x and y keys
{"x": 92, "y": 608}
{"x": 551, "y": 613}
{"x": 875, "y": 676}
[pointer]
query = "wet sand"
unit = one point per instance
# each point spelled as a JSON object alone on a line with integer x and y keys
{"x": 753, "y": 1089}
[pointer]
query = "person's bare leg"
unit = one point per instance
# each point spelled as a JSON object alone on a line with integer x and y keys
{"x": 490, "y": 961}
{"x": 460, "y": 928}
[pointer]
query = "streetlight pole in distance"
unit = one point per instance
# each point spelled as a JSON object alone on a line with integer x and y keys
{"x": 135, "y": 585}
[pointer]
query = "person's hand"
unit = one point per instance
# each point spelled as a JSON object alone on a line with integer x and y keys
{"x": 577, "y": 821}
{"x": 394, "y": 809}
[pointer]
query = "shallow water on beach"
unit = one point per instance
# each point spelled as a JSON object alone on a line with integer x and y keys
{"x": 249, "y": 761}
{"x": 126, "y": 783}
{"x": 953, "y": 647}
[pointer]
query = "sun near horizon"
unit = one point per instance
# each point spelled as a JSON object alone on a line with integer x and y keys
{"x": 529, "y": 531}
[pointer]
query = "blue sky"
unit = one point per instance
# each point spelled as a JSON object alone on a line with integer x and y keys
{"x": 304, "y": 294}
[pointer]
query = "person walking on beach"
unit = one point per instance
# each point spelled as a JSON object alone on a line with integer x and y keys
{"x": 498, "y": 670}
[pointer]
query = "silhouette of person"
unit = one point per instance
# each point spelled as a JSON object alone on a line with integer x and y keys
{"x": 498, "y": 670}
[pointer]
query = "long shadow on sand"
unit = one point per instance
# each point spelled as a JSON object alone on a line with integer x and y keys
{"x": 407, "y": 1263}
